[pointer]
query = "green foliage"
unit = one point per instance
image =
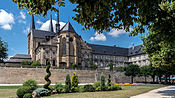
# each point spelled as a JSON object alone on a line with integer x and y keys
{"x": 132, "y": 70}
{"x": 22, "y": 91}
{"x": 28, "y": 95}
{"x": 74, "y": 82}
{"x": 68, "y": 83}
{"x": 88, "y": 88}
{"x": 102, "y": 83}
{"x": 46, "y": 86}
{"x": 110, "y": 65}
{"x": 59, "y": 88}
{"x": 109, "y": 80}
{"x": 145, "y": 71}
{"x": 42, "y": 91}
{"x": 120, "y": 69}
{"x": 115, "y": 87}
{"x": 97, "y": 86}
{"x": 3, "y": 50}
{"x": 86, "y": 64}
{"x": 75, "y": 66}
{"x": 37, "y": 63}
{"x": 94, "y": 66}
{"x": 32, "y": 84}
{"x": 25, "y": 62}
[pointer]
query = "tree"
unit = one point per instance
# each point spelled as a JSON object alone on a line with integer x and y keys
{"x": 120, "y": 69}
{"x": 46, "y": 86}
{"x": 68, "y": 83}
{"x": 3, "y": 50}
{"x": 110, "y": 65}
{"x": 152, "y": 71}
{"x": 132, "y": 70}
{"x": 75, "y": 66}
{"x": 102, "y": 83}
{"x": 109, "y": 80}
{"x": 145, "y": 71}
{"x": 159, "y": 44}
{"x": 74, "y": 81}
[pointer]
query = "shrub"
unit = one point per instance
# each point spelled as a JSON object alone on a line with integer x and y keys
{"x": 94, "y": 67}
{"x": 74, "y": 80}
{"x": 59, "y": 88}
{"x": 89, "y": 88}
{"x": 32, "y": 84}
{"x": 81, "y": 88}
{"x": 67, "y": 83}
{"x": 102, "y": 83}
{"x": 115, "y": 87}
{"x": 120, "y": 69}
{"x": 74, "y": 89}
{"x": 42, "y": 91}
{"x": 97, "y": 86}
{"x": 25, "y": 62}
{"x": 75, "y": 66}
{"x": 109, "y": 80}
{"x": 22, "y": 91}
{"x": 37, "y": 63}
{"x": 46, "y": 86}
{"x": 28, "y": 95}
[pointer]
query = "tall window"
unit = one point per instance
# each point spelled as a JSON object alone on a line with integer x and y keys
{"x": 64, "y": 47}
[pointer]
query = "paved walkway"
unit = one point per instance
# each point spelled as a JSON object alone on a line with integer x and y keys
{"x": 164, "y": 92}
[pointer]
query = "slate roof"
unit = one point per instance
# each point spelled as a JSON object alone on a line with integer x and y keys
{"x": 118, "y": 51}
{"x": 67, "y": 28}
{"x": 136, "y": 51}
{"x": 20, "y": 58}
{"x": 42, "y": 34}
{"x": 109, "y": 50}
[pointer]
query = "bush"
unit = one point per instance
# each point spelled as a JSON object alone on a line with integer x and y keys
{"x": 97, "y": 86}
{"x": 75, "y": 66}
{"x": 74, "y": 89}
{"x": 46, "y": 86}
{"x": 22, "y": 91}
{"x": 109, "y": 80}
{"x": 28, "y": 95}
{"x": 74, "y": 80}
{"x": 120, "y": 69}
{"x": 102, "y": 83}
{"x": 94, "y": 67}
{"x": 32, "y": 84}
{"x": 42, "y": 91}
{"x": 59, "y": 88}
{"x": 89, "y": 88}
{"x": 115, "y": 87}
{"x": 37, "y": 63}
{"x": 67, "y": 83}
{"x": 26, "y": 62}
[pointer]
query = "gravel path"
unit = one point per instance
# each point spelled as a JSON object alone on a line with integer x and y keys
{"x": 164, "y": 92}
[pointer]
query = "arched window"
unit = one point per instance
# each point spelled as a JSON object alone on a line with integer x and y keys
{"x": 64, "y": 47}
{"x": 71, "y": 48}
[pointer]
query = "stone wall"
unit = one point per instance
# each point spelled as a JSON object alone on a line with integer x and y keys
{"x": 19, "y": 75}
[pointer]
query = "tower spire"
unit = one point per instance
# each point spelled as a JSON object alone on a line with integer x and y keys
{"x": 51, "y": 25}
{"x": 32, "y": 25}
{"x": 57, "y": 24}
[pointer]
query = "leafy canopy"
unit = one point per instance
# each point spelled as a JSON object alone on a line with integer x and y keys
{"x": 3, "y": 50}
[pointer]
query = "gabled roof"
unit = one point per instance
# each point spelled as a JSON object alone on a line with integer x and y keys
{"x": 136, "y": 50}
{"x": 20, "y": 57}
{"x": 42, "y": 34}
{"x": 109, "y": 50}
{"x": 67, "y": 28}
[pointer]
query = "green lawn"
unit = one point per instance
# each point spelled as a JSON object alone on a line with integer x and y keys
{"x": 10, "y": 92}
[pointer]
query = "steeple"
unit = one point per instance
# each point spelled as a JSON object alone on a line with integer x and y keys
{"x": 32, "y": 25}
{"x": 57, "y": 24}
{"x": 51, "y": 25}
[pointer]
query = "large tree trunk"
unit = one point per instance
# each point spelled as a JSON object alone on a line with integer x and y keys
{"x": 160, "y": 79}
{"x": 132, "y": 79}
{"x": 145, "y": 79}
{"x": 166, "y": 81}
{"x": 153, "y": 79}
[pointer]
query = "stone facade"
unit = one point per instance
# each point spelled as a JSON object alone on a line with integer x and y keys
{"x": 65, "y": 48}
{"x": 19, "y": 75}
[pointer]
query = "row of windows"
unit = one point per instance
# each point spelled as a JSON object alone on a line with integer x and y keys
{"x": 110, "y": 58}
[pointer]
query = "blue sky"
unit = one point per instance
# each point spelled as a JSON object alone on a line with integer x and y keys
{"x": 15, "y": 23}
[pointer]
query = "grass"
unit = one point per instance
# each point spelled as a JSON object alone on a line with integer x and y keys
{"x": 10, "y": 92}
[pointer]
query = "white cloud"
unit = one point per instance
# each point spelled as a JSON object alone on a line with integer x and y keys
{"x": 6, "y": 20}
{"x": 98, "y": 37}
{"x": 39, "y": 22}
{"x": 116, "y": 32}
{"x": 26, "y": 31}
{"x": 45, "y": 26}
{"x": 22, "y": 21}
{"x": 22, "y": 15}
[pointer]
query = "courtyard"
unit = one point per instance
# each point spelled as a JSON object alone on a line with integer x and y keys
{"x": 126, "y": 92}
